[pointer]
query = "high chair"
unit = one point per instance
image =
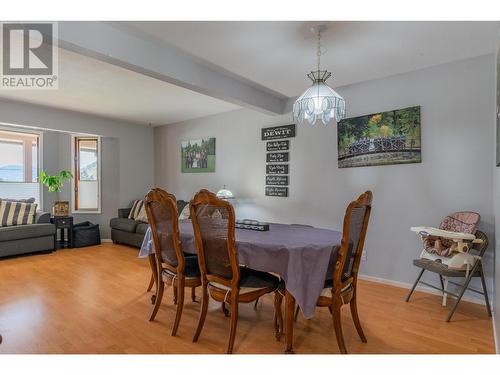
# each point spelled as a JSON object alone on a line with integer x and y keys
{"x": 453, "y": 250}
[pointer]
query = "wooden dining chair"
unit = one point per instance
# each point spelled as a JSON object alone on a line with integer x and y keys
{"x": 342, "y": 287}
{"x": 221, "y": 274}
{"x": 173, "y": 268}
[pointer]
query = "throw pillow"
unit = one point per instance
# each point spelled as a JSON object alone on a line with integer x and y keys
{"x": 16, "y": 213}
{"x": 136, "y": 208}
{"x": 185, "y": 214}
{"x": 142, "y": 216}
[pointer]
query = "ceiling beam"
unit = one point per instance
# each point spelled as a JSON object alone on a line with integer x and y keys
{"x": 114, "y": 45}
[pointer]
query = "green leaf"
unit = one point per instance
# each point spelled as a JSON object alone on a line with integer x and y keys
{"x": 55, "y": 183}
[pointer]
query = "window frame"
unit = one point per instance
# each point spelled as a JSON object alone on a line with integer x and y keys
{"x": 75, "y": 172}
{"x": 39, "y": 133}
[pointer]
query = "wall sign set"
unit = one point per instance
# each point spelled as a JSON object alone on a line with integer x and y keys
{"x": 277, "y": 158}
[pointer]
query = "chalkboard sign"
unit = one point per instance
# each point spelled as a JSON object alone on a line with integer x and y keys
{"x": 277, "y": 180}
{"x": 278, "y": 132}
{"x": 277, "y": 168}
{"x": 277, "y": 157}
{"x": 276, "y": 191}
{"x": 278, "y": 145}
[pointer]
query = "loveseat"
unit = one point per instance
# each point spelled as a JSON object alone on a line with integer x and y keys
{"x": 129, "y": 231}
{"x": 29, "y": 238}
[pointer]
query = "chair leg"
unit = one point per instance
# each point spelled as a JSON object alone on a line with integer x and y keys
{"x": 355, "y": 318}
{"x": 445, "y": 288}
{"x": 151, "y": 283}
{"x": 485, "y": 291}
{"x": 296, "y": 315}
{"x": 234, "y": 319}
{"x": 159, "y": 296}
{"x": 193, "y": 294}
{"x": 414, "y": 285}
{"x": 203, "y": 312}
{"x": 180, "y": 304}
{"x": 175, "y": 294}
{"x": 337, "y": 325}
{"x": 464, "y": 288}
{"x": 255, "y": 304}
{"x": 278, "y": 315}
{"x": 224, "y": 309}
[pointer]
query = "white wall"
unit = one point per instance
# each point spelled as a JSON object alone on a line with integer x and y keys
{"x": 457, "y": 141}
{"x": 127, "y": 155}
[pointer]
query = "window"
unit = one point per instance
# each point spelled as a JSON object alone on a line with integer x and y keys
{"x": 19, "y": 165}
{"x": 87, "y": 173}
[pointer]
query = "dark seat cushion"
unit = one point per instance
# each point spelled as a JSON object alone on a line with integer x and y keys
{"x": 19, "y": 232}
{"x": 124, "y": 224}
{"x": 250, "y": 278}
{"x": 191, "y": 268}
{"x": 141, "y": 228}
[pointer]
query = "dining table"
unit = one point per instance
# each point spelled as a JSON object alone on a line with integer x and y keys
{"x": 303, "y": 256}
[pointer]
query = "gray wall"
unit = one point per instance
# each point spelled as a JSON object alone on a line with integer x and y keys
{"x": 455, "y": 174}
{"x": 127, "y": 155}
{"x": 496, "y": 202}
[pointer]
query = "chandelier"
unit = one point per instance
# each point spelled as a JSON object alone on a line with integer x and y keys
{"x": 320, "y": 101}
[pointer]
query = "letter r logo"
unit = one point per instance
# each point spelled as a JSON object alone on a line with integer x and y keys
{"x": 27, "y": 49}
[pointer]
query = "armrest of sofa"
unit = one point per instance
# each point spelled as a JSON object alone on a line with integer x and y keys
{"x": 123, "y": 212}
{"x": 42, "y": 217}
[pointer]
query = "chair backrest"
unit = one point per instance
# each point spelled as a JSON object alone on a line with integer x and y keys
{"x": 214, "y": 225}
{"x": 161, "y": 209}
{"x": 356, "y": 219}
{"x": 463, "y": 222}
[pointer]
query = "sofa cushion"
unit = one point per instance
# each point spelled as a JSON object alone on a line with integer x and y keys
{"x": 16, "y": 213}
{"x": 185, "y": 213}
{"x": 29, "y": 200}
{"x": 180, "y": 205}
{"x": 142, "y": 216}
{"x": 142, "y": 228}
{"x": 19, "y": 232}
{"x": 136, "y": 208}
{"x": 127, "y": 225}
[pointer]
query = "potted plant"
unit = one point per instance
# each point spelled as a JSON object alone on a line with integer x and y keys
{"x": 54, "y": 184}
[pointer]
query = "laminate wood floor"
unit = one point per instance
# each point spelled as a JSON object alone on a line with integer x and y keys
{"x": 94, "y": 300}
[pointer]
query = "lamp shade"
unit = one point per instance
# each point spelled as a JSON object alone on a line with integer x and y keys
{"x": 319, "y": 102}
{"x": 225, "y": 193}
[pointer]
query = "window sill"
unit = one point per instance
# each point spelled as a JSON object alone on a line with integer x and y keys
{"x": 86, "y": 212}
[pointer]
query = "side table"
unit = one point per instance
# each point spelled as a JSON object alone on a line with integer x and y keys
{"x": 63, "y": 223}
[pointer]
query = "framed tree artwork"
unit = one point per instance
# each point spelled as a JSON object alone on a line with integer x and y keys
{"x": 384, "y": 138}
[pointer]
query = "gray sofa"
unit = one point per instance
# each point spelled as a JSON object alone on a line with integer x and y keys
{"x": 131, "y": 232}
{"x": 31, "y": 238}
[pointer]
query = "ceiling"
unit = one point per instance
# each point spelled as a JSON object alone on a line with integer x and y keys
{"x": 274, "y": 56}
{"x": 279, "y": 54}
{"x": 91, "y": 86}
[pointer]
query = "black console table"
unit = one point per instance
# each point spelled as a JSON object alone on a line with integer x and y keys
{"x": 63, "y": 223}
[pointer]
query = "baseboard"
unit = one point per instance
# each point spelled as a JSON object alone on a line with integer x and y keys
{"x": 420, "y": 288}
{"x": 106, "y": 240}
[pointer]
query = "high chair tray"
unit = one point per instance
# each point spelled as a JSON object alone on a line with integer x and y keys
{"x": 443, "y": 233}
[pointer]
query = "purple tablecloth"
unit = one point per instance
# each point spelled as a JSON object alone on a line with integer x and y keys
{"x": 303, "y": 256}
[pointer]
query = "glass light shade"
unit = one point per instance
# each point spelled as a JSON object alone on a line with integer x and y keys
{"x": 319, "y": 102}
{"x": 225, "y": 193}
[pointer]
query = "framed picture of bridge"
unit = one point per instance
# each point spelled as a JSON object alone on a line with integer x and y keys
{"x": 391, "y": 137}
